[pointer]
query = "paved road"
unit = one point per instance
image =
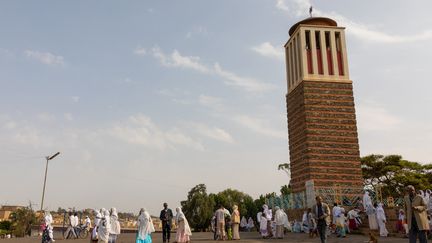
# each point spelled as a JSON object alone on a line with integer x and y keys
{"x": 250, "y": 237}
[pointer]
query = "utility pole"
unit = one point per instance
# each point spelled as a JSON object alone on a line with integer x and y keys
{"x": 48, "y": 158}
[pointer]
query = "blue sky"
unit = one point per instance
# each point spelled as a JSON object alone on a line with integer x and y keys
{"x": 147, "y": 99}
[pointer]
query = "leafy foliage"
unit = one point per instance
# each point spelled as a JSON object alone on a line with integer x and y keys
{"x": 198, "y": 208}
{"x": 393, "y": 174}
{"x": 21, "y": 221}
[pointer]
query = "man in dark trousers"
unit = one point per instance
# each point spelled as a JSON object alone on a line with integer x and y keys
{"x": 166, "y": 216}
{"x": 416, "y": 215}
{"x": 321, "y": 213}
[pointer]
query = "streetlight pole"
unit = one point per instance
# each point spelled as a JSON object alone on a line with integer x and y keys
{"x": 48, "y": 158}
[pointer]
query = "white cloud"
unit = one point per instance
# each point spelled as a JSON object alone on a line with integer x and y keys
{"x": 10, "y": 125}
{"x": 211, "y": 102}
{"x": 248, "y": 84}
{"x": 299, "y": 8}
{"x": 268, "y": 50}
{"x": 373, "y": 117}
{"x": 192, "y": 62}
{"x": 215, "y": 133}
{"x": 140, "y": 51}
{"x": 140, "y": 130}
{"x": 280, "y": 4}
{"x": 45, "y": 57}
{"x": 177, "y": 60}
{"x": 260, "y": 126}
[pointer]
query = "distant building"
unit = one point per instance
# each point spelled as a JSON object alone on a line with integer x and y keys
{"x": 6, "y": 211}
{"x": 322, "y": 130}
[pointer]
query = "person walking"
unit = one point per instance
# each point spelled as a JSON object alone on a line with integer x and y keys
{"x": 279, "y": 220}
{"x": 322, "y": 216}
{"x": 183, "y": 232}
{"x": 235, "y": 223}
{"x": 47, "y": 235}
{"x": 115, "y": 226}
{"x": 166, "y": 217}
{"x": 416, "y": 215}
{"x": 381, "y": 219}
{"x": 71, "y": 229}
{"x": 104, "y": 227}
{"x": 145, "y": 227}
{"x": 94, "y": 234}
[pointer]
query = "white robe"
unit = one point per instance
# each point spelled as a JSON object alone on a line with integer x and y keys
{"x": 145, "y": 225}
{"x": 104, "y": 226}
{"x": 250, "y": 223}
{"x": 279, "y": 217}
{"x": 181, "y": 217}
{"x": 115, "y": 224}
{"x": 243, "y": 222}
{"x": 381, "y": 218}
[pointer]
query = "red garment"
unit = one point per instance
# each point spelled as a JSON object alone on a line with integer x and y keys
{"x": 353, "y": 224}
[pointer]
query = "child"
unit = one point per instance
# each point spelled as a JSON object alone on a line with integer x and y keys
{"x": 312, "y": 224}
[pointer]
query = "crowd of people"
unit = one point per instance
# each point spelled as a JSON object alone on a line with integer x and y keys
{"x": 414, "y": 220}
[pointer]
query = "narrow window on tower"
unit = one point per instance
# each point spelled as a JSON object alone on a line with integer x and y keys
{"x": 339, "y": 53}
{"x": 329, "y": 53}
{"x": 287, "y": 61}
{"x": 292, "y": 65}
{"x": 308, "y": 52}
{"x": 294, "y": 43}
{"x": 318, "y": 51}
{"x": 299, "y": 56}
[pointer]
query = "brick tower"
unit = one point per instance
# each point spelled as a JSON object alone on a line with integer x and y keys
{"x": 323, "y": 141}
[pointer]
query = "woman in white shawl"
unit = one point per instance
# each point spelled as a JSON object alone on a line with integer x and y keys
{"x": 115, "y": 226}
{"x": 381, "y": 218}
{"x": 47, "y": 235}
{"x": 370, "y": 211}
{"x": 104, "y": 227}
{"x": 263, "y": 225}
{"x": 145, "y": 227}
{"x": 243, "y": 223}
{"x": 94, "y": 234}
{"x": 235, "y": 223}
{"x": 250, "y": 224}
{"x": 279, "y": 220}
{"x": 183, "y": 230}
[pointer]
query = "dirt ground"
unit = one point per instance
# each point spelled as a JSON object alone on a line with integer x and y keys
{"x": 251, "y": 237}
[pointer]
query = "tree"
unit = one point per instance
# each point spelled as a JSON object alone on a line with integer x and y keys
{"x": 198, "y": 208}
{"x": 393, "y": 174}
{"x": 230, "y": 197}
{"x": 21, "y": 220}
{"x": 285, "y": 190}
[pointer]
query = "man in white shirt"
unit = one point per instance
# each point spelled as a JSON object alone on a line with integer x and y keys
{"x": 71, "y": 226}
{"x": 220, "y": 222}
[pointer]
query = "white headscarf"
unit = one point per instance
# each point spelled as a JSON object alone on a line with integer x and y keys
{"x": 115, "y": 224}
{"x": 104, "y": 225}
{"x": 181, "y": 217}
{"x": 380, "y": 213}
{"x": 98, "y": 218}
{"x": 267, "y": 212}
{"x": 279, "y": 216}
{"x": 48, "y": 218}
{"x": 251, "y": 223}
{"x": 367, "y": 201}
{"x": 243, "y": 222}
{"x": 145, "y": 224}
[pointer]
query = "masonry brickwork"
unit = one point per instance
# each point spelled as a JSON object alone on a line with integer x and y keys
{"x": 323, "y": 140}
